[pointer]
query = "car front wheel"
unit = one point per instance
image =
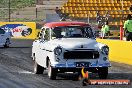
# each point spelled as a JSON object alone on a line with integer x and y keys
{"x": 7, "y": 43}
{"x": 103, "y": 72}
{"x": 51, "y": 71}
{"x": 33, "y": 56}
{"x": 38, "y": 69}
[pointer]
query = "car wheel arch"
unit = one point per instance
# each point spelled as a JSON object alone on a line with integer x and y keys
{"x": 33, "y": 56}
{"x": 7, "y": 42}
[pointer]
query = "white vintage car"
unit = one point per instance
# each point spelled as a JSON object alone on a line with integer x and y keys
{"x": 67, "y": 47}
{"x": 4, "y": 38}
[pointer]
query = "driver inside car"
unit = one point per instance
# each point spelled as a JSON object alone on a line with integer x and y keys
{"x": 76, "y": 33}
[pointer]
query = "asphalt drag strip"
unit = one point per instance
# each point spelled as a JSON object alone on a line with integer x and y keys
{"x": 16, "y": 71}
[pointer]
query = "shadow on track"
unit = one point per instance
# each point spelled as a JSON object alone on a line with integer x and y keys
{"x": 14, "y": 47}
{"x": 70, "y": 76}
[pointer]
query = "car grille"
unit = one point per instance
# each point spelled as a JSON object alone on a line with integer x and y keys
{"x": 81, "y": 55}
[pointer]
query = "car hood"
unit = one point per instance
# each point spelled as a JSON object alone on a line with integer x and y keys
{"x": 75, "y": 43}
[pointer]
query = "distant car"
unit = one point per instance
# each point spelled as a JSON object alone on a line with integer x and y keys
{"x": 4, "y": 38}
{"x": 66, "y": 47}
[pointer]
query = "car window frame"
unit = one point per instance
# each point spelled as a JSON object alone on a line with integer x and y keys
{"x": 49, "y": 33}
{"x": 90, "y": 30}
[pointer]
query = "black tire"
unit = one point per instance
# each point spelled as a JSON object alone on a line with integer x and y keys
{"x": 103, "y": 72}
{"x": 38, "y": 69}
{"x": 52, "y": 72}
{"x": 33, "y": 57}
{"x": 7, "y": 43}
{"x": 77, "y": 77}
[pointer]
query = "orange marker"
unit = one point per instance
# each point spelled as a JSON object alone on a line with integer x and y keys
{"x": 85, "y": 75}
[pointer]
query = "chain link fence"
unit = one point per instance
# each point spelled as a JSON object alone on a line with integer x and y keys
{"x": 17, "y": 10}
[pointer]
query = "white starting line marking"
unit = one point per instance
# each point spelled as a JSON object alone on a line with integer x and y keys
{"x": 25, "y": 72}
{"x": 28, "y": 72}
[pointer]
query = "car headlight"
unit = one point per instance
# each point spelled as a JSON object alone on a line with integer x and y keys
{"x": 58, "y": 50}
{"x": 105, "y": 50}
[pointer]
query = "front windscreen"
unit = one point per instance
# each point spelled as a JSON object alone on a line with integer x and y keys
{"x": 72, "y": 32}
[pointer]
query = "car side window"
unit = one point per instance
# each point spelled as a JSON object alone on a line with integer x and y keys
{"x": 47, "y": 34}
{"x": 56, "y": 32}
{"x": 88, "y": 32}
{"x": 2, "y": 31}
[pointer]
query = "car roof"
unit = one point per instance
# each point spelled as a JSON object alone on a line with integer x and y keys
{"x": 60, "y": 24}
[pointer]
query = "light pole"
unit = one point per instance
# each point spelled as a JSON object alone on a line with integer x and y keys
{"x": 121, "y": 25}
{"x": 122, "y": 11}
{"x": 9, "y": 10}
{"x": 36, "y": 9}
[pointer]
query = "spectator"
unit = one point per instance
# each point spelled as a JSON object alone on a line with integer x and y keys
{"x": 98, "y": 17}
{"x": 128, "y": 28}
{"x": 107, "y": 16}
{"x": 105, "y": 30}
{"x": 62, "y": 16}
{"x": 58, "y": 11}
{"x": 102, "y": 34}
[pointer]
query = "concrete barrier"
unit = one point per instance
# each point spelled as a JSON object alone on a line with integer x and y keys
{"x": 120, "y": 51}
{"x": 21, "y": 30}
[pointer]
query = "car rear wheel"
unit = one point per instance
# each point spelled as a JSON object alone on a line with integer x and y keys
{"x": 77, "y": 76}
{"x": 38, "y": 69}
{"x": 52, "y": 72}
{"x": 7, "y": 43}
{"x": 103, "y": 72}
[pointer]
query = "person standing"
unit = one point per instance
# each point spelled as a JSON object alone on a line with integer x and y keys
{"x": 128, "y": 28}
{"x": 105, "y": 30}
{"x": 102, "y": 34}
{"x": 58, "y": 11}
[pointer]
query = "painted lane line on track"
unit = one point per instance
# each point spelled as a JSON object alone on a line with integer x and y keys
{"x": 25, "y": 72}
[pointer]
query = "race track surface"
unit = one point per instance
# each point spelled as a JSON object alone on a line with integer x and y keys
{"x": 16, "y": 71}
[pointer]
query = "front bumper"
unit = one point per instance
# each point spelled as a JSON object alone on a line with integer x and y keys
{"x": 73, "y": 65}
{"x": 73, "y": 68}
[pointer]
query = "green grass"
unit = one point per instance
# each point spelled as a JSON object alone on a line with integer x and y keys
{"x": 16, "y": 3}
{"x": 14, "y": 6}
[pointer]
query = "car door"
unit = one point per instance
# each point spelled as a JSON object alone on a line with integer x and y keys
{"x": 41, "y": 53}
{"x": 2, "y": 36}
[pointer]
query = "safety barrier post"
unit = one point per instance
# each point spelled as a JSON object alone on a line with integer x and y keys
{"x": 121, "y": 32}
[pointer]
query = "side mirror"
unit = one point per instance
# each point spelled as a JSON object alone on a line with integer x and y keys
{"x": 39, "y": 38}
